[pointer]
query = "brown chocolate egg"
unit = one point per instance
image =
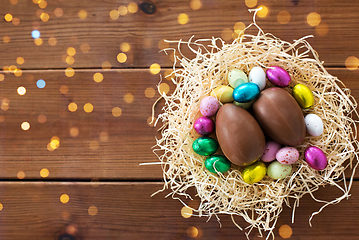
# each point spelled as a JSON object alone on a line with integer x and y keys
{"x": 280, "y": 116}
{"x": 239, "y": 135}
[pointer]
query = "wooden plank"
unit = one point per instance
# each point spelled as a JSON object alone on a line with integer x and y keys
{"x": 105, "y": 147}
{"x": 126, "y": 211}
{"x": 335, "y": 37}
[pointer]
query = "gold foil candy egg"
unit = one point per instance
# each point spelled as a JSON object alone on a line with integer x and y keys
{"x": 303, "y": 95}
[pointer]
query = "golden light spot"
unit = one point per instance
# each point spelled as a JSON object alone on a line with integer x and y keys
{"x": 106, "y": 65}
{"x": 98, "y": 77}
{"x": 12, "y": 68}
{"x": 155, "y": 68}
{"x": 44, "y": 173}
{"x": 74, "y": 132}
{"x": 195, "y": 4}
{"x": 64, "y": 89}
{"x": 226, "y": 34}
{"x": 150, "y": 92}
{"x": 285, "y": 231}
{"x": 20, "y": 60}
{"x": 182, "y": 18}
{"x": 16, "y": 21}
{"x": 6, "y": 69}
{"x": 169, "y": 74}
{"x": 6, "y": 39}
{"x": 69, "y": 72}
{"x": 85, "y": 47}
{"x": 42, "y": 4}
{"x": 92, "y": 210}
{"x": 186, "y": 212}
{"x": 71, "y": 229}
{"x": 128, "y": 98}
{"x": 70, "y": 60}
{"x": 263, "y": 12}
{"x": 162, "y": 44}
{"x": 5, "y": 106}
{"x": 164, "y": 88}
{"x": 283, "y": 17}
{"x": 58, "y": 12}
{"x": 71, "y": 51}
{"x": 121, "y": 58}
{"x": 132, "y": 7}
{"x": 103, "y": 136}
{"x": 36, "y": 1}
{"x": 82, "y": 14}
{"x": 49, "y": 147}
{"x": 88, "y": 107}
{"x": 14, "y": 2}
{"x": 52, "y": 41}
{"x": 192, "y": 232}
{"x": 94, "y": 145}
{"x": 21, "y": 90}
{"x": 1, "y": 207}
{"x": 44, "y": 17}
{"x": 38, "y": 41}
{"x": 2, "y": 118}
{"x": 64, "y": 198}
{"x": 352, "y": 63}
{"x": 25, "y": 126}
{"x": 313, "y": 19}
{"x": 20, "y": 175}
{"x": 125, "y": 47}
{"x": 8, "y": 17}
{"x": 41, "y": 118}
{"x": 39, "y": 12}
{"x": 239, "y": 27}
{"x": 114, "y": 14}
{"x": 2, "y": 77}
{"x": 251, "y": 3}
{"x": 18, "y": 72}
{"x": 116, "y": 111}
{"x": 122, "y": 10}
{"x": 322, "y": 29}
{"x": 55, "y": 142}
{"x": 72, "y": 107}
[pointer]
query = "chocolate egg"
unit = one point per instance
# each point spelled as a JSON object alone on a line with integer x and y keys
{"x": 280, "y": 116}
{"x": 239, "y": 135}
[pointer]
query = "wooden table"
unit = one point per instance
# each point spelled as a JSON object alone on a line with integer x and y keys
{"x": 70, "y": 150}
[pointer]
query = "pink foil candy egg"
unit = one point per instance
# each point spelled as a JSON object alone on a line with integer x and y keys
{"x": 278, "y": 76}
{"x": 204, "y": 126}
{"x": 270, "y": 151}
{"x": 208, "y": 106}
{"x": 315, "y": 158}
{"x": 287, "y": 155}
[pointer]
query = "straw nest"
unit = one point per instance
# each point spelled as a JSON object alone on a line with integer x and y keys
{"x": 261, "y": 203}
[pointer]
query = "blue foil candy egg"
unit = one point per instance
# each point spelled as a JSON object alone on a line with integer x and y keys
{"x": 246, "y": 92}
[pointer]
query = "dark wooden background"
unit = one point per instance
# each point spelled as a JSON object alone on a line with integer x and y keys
{"x": 97, "y": 161}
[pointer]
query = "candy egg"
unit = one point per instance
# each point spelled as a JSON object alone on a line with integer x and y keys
{"x": 278, "y": 76}
{"x": 314, "y": 124}
{"x": 208, "y": 106}
{"x": 223, "y": 94}
{"x": 204, "y": 126}
{"x": 246, "y": 92}
{"x": 315, "y": 158}
{"x": 287, "y": 155}
{"x": 205, "y": 146}
{"x": 236, "y": 77}
{"x": 277, "y": 170}
{"x": 270, "y": 151}
{"x": 303, "y": 95}
{"x": 254, "y": 173}
{"x": 246, "y": 105}
{"x": 258, "y": 76}
{"x": 217, "y": 163}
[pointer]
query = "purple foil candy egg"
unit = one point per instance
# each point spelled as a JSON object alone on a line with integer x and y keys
{"x": 315, "y": 158}
{"x": 278, "y": 76}
{"x": 204, "y": 126}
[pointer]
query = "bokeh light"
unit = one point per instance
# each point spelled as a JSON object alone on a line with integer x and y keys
{"x": 128, "y": 98}
{"x": 64, "y": 198}
{"x": 69, "y": 72}
{"x": 25, "y": 126}
{"x": 85, "y": 47}
{"x": 164, "y": 88}
{"x": 35, "y": 33}
{"x": 182, "y": 18}
{"x": 352, "y": 63}
{"x": 92, "y": 210}
{"x": 52, "y": 41}
{"x": 322, "y": 29}
{"x": 44, "y": 17}
{"x": 64, "y": 89}
{"x": 114, "y": 14}
{"x": 42, "y": 4}
{"x": 38, "y": 41}
{"x": 169, "y": 74}
{"x": 125, "y": 47}
{"x": 195, "y": 4}
{"x": 20, "y": 60}
{"x": 82, "y": 14}
{"x": 106, "y": 65}
{"x": 16, "y": 21}
{"x": 39, "y": 12}
{"x": 18, "y": 72}
{"x": 6, "y": 39}
{"x": 132, "y": 7}
{"x": 8, "y": 17}
{"x": 2, "y": 118}
{"x": 226, "y": 34}
{"x": 74, "y": 132}
{"x": 21, "y": 90}
{"x": 41, "y": 118}
{"x": 71, "y": 51}
{"x": 116, "y": 111}
{"x": 155, "y": 68}
{"x": 103, "y": 136}
{"x": 40, "y": 83}
{"x": 192, "y": 232}
{"x": 150, "y": 92}
{"x": 2, "y": 77}
{"x": 44, "y": 173}
{"x": 239, "y": 27}
{"x": 94, "y": 145}
{"x": 70, "y": 60}
{"x": 98, "y": 77}
{"x": 20, "y": 175}
{"x": 1, "y": 207}
{"x": 121, "y": 58}
{"x": 71, "y": 229}
{"x": 14, "y": 2}
{"x": 250, "y": 3}
{"x": 313, "y": 19}
{"x": 88, "y": 107}
{"x": 283, "y": 17}
{"x": 285, "y": 231}
{"x": 72, "y": 107}
{"x": 122, "y": 10}
{"x": 186, "y": 212}
{"x": 58, "y": 12}
{"x": 12, "y": 68}
{"x": 55, "y": 142}
{"x": 263, "y": 12}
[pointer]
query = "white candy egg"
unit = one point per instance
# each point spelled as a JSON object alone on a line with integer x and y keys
{"x": 258, "y": 76}
{"x": 314, "y": 124}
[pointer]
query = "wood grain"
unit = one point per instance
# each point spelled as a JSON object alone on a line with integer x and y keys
{"x": 126, "y": 211}
{"x": 107, "y": 147}
{"x": 144, "y": 32}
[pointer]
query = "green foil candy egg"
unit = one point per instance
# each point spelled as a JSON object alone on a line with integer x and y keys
{"x": 217, "y": 162}
{"x": 254, "y": 173}
{"x": 205, "y": 146}
{"x": 303, "y": 95}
